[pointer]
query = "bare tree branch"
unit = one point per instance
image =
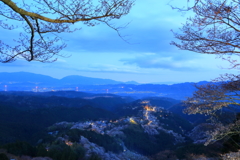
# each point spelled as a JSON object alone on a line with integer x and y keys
{"x": 43, "y": 19}
{"x": 214, "y": 29}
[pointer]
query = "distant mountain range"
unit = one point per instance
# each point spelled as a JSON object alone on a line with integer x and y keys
{"x": 25, "y": 77}
{"x": 24, "y": 81}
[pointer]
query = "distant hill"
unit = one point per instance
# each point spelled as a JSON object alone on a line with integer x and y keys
{"x": 193, "y": 118}
{"x": 32, "y": 78}
{"x": 164, "y": 102}
{"x": 25, "y": 77}
{"x": 23, "y": 81}
{"x": 57, "y": 99}
{"x": 86, "y": 80}
{"x": 29, "y": 125}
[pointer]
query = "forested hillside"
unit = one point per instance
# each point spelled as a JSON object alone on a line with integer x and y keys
{"x": 101, "y": 126}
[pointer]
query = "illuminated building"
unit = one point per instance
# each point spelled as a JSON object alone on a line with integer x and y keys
{"x": 68, "y": 143}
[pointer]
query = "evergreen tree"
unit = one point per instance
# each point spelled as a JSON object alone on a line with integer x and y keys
{"x": 3, "y": 156}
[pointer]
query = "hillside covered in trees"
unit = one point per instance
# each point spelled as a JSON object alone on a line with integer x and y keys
{"x": 102, "y": 127}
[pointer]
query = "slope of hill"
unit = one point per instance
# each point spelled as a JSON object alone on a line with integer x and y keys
{"x": 147, "y": 132}
{"x": 33, "y": 100}
{"x": 24, "y": 77}
{"x": 195, "y": 118}
{"x": 106, "y": 126}
{"x": 162, "y": 101}
{"x": 29, "y": 125}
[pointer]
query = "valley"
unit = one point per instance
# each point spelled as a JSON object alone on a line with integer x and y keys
{"x": 108, "y": 121}
{"x": 103, "y": 126}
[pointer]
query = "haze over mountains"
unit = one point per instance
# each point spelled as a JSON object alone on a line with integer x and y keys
{"x": 25, "y": 77}
{"x": 24, "y": 81}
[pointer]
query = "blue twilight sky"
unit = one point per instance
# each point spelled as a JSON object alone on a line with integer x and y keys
{"x": 99, "y": 52}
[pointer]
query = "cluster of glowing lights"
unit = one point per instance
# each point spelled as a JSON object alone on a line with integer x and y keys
{"x": 149, "y": 122}
{"x": 146, "y": 115}
{"x": 132, "y": 121}
{"x": 145, "y": 102}
{"x": 68, "y": 143}
{"x": 148, "y": 108}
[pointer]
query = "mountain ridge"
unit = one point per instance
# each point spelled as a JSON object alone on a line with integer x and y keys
{"x": 27, "y": 77}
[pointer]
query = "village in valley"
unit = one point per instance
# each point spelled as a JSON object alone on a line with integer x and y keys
{"x": 147, "y": 119}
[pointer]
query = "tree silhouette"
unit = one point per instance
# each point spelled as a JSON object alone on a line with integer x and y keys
{"x": 214, "y": 29}
{"x": 42, "y": 20}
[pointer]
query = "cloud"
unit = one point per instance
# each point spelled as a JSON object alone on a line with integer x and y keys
{"x": 100, "y": 68}
{"x": 19, "y": 63}
{"x": 112, "y": 69}
{"x": 148, "y": 31}
{"x": 165, "y": 61}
